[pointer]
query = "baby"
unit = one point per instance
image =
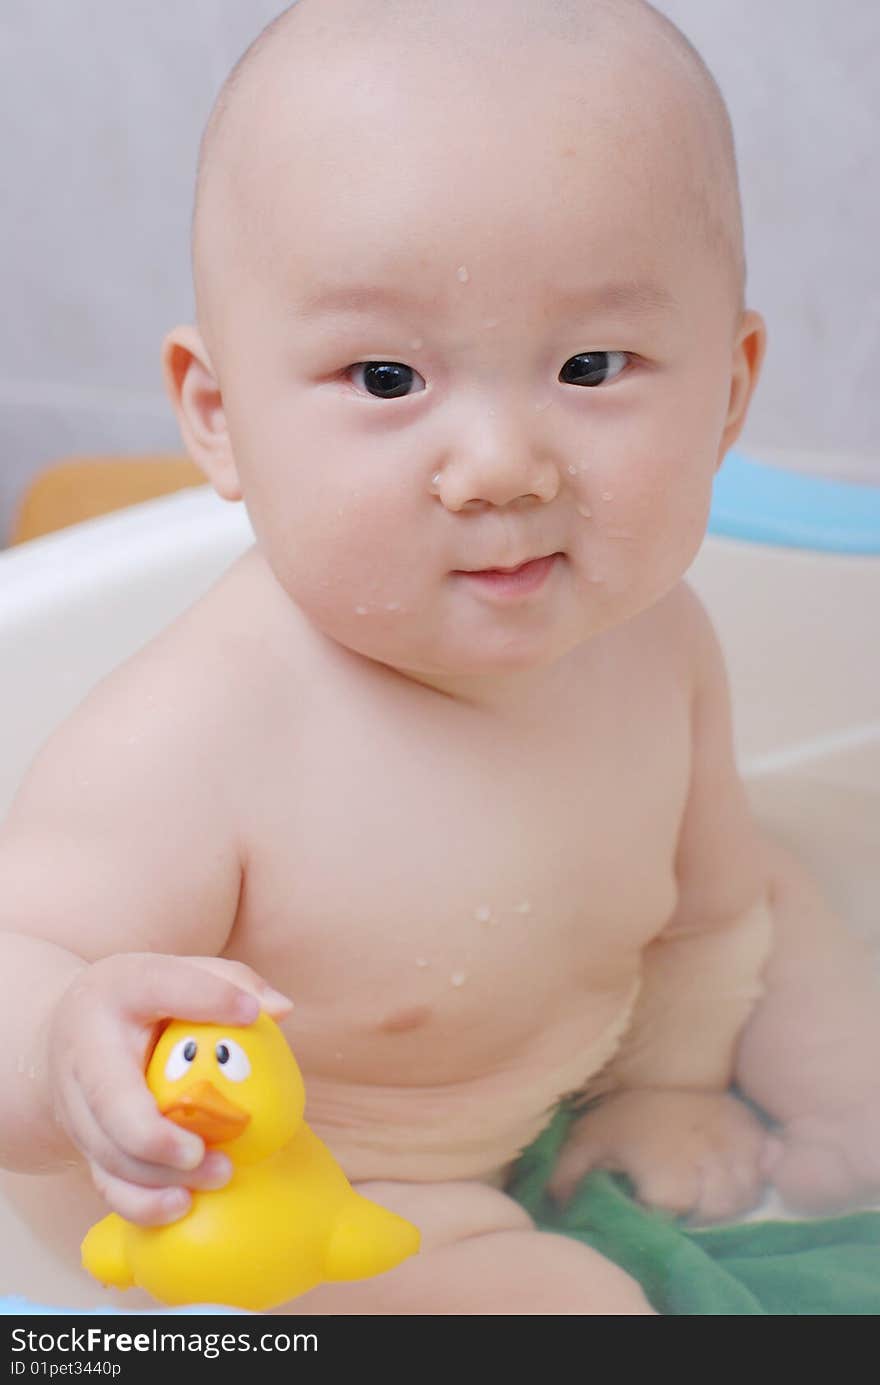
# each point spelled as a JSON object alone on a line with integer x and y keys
{"x": 447, "y": 755}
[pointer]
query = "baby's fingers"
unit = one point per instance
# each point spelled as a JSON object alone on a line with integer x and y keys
{"x": 144, "y": 1206}
{"x": 123, "y": 1159}
{"x": 239, "y": 974}
{"x": 114, "y": 1105}
{"x": 151, "y": 987}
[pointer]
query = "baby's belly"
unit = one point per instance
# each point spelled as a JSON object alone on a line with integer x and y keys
{"x": 471, "y": 1129}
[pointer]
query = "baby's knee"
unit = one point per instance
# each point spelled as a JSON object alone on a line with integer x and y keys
{"x": 480, "y": 1254}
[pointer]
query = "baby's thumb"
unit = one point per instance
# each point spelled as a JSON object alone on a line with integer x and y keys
{"x": 205, "y": 990}
{"x": 244, "y": 979}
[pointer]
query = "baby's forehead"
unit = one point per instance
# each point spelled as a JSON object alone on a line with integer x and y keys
{"x": 292, "y": 131}
{"x": 301, "y": 84}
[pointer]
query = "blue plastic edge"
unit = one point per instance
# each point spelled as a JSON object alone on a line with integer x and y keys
{"x": 15, "y": 1306}
{"x": 772, "y": 505}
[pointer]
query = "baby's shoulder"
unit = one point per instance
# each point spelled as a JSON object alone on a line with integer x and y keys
{"x": 186, "y": 703}
{"x": 227, "y": 643}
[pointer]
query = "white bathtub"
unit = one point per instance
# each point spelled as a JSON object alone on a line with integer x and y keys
{"x": 800, "y": 630}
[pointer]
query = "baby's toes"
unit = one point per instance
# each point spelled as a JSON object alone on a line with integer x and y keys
{"x": 729, "y": 1187}
{"x": 673, "y": 1189}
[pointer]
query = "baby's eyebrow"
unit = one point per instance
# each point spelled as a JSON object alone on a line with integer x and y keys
{"x": 361, "y": 298}
{"x": 635, "y": 298}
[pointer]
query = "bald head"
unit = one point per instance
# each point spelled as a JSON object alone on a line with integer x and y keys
{"x": 310, "y": 36}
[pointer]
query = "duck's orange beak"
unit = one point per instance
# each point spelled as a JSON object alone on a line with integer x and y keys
{"x": 207, "y": 1112}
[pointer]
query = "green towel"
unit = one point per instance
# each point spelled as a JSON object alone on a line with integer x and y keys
{"x": 792, "y": 1268}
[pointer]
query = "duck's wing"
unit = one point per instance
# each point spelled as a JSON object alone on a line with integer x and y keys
{"x": 367, "y": 1239}
{"x": 103, "y": 1252}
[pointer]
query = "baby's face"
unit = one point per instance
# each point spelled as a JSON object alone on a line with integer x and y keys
{"x": 464, "y": 335}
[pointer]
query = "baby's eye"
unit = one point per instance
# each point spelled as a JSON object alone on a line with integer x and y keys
{"x": 387, "y": 379}
{"x": 234, "y": 1062}
{"x": 593, "y": 367}
{"x": 181, "y": 1058}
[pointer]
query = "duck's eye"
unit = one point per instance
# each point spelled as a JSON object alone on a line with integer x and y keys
{"x": 180, "y": 1059}
{"x": 234, "y": 1062}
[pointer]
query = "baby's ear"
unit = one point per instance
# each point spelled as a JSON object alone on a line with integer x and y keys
{"x": 749, "y": 350}
{"x": 195, "y": 396}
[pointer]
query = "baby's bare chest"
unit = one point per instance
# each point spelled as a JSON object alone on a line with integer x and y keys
{"x": 465, "y": 884}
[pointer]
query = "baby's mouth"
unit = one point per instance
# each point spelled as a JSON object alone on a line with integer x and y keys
{"x": 511, "y": 583}
{"x": 517, "y": 567}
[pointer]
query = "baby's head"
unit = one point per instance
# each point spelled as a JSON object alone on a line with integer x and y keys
{"x": 469, "y": 284}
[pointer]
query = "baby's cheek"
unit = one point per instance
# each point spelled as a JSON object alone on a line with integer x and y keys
{"x": 648, "y": 521}
{"x": 351, "y": 561}
{"x": 673, "y": 498}
{"x": 676, "y": 514}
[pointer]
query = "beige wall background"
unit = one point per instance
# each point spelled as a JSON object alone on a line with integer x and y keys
{"x": 102, "y": 106}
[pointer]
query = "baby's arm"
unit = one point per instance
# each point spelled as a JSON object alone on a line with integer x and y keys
{"x": 116, "y": 858}
{"x": 666, "y": 1119}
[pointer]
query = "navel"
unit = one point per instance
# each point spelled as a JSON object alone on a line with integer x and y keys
{"x": 402, "y": 1021}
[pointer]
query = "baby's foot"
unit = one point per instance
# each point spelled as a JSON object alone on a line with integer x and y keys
{"x": 696, "y": 1153}
{"x": 829, "y": 1162}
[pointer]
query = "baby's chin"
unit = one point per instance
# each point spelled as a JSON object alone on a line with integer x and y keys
{"x": 459, "y": 656}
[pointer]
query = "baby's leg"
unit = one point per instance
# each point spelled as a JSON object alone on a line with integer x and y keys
{"x": 481, "y": 1254}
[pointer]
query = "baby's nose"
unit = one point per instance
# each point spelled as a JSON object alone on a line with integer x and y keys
{"x": 487, "y": 476}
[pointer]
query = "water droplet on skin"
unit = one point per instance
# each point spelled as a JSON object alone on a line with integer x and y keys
{"x": 416, "y": 344}
{"x": 458, "y": 978}
{"x": 585, "y": 511}
{"x": 436, "y": 479}
{"x": 462, "y": 274}
{"x": 361, "y": 610}
{"x": 483, "y": 914}
{"x": 572, "y": 470}
{"x": 422, "y": 962}
{"x": 393, "y": 606}
{"x": 608, "y": 495}
{"x": 524, "y": 907}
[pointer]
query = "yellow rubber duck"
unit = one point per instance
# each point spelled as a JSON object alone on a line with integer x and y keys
{"x": 287, "y": 1220}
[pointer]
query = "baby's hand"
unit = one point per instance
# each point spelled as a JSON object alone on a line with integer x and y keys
{"x": 101, "y": 1034}
{"x": 829, "y": 1162}
{"x": 685, "y": 1152}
